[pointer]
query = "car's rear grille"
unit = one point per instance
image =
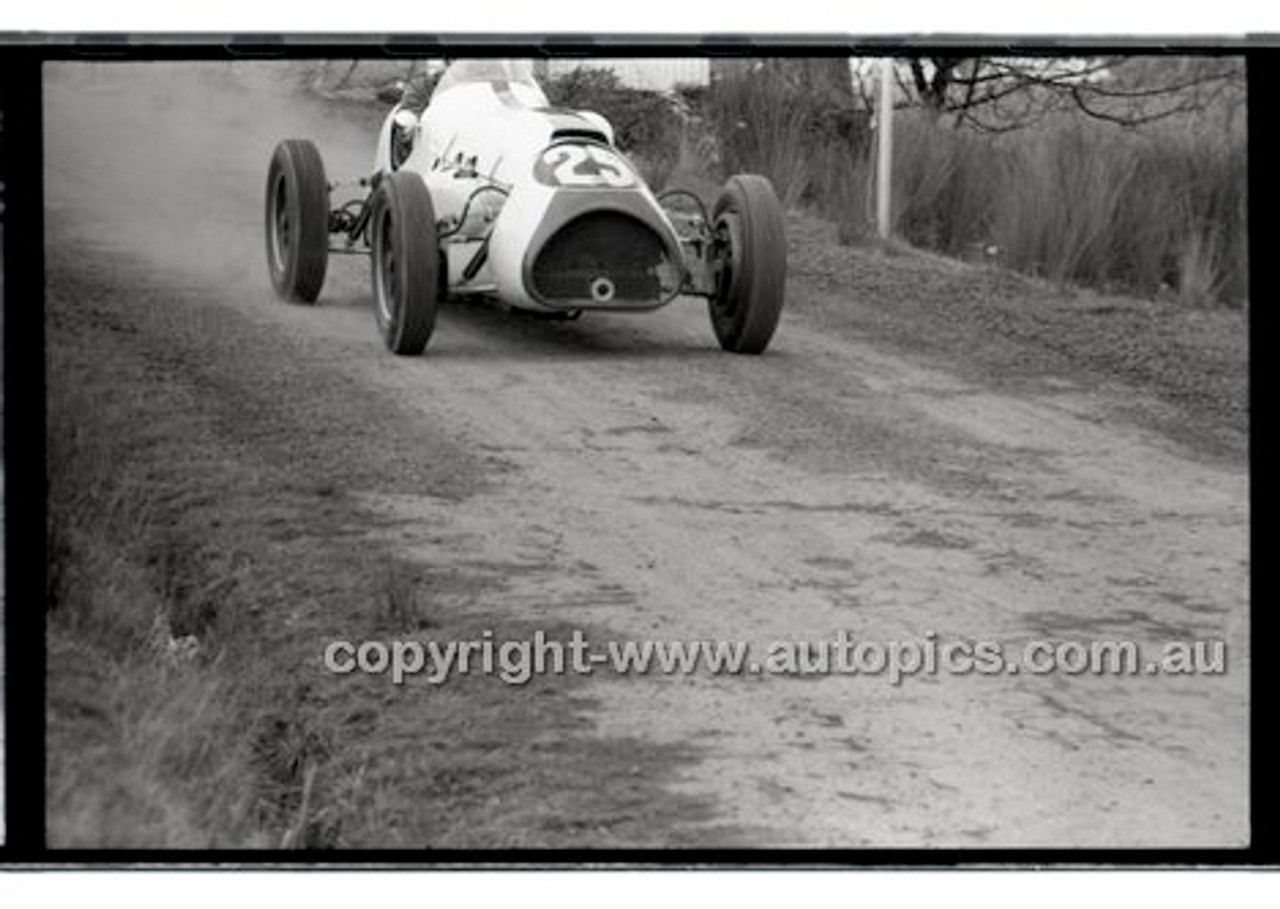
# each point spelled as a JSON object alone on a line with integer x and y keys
{"x": 604, "y": 257}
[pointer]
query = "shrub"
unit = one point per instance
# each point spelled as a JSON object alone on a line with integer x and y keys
{"x": 945, "y": 184}
{"x": 1080, "y": 202}
{"x": 843, "y": 187}
{"x": 763, "y": 124}
{"x": 1085, "y": 203}
{"x": 1063, "y": 193}
{"x": 760, "y": 128}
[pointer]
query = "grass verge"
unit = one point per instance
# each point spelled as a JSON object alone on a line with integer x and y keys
{"x": 206, "y": 541}
{"x": 1014, "y": 332}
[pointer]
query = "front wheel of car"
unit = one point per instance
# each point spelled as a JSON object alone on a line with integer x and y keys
{"x": 752, "y": 251}
{"x": 406, "y": 266}
{"x": 297, "y": 221}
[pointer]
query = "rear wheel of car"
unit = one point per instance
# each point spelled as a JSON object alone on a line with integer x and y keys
{"x": 406, "y": 263}
{"x": 750, "y": 287}
{"x": 297, "y": 221}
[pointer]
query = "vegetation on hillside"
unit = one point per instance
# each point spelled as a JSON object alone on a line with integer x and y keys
{"x": 1150, "y": 200}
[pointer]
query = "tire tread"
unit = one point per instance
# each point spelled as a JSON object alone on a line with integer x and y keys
{"x": 414, "y": 225}
{"x": 303, "y": 275}
{"x": 761, "y": 287}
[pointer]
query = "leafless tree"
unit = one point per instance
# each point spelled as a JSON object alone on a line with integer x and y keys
{"x": 998, "y": 94}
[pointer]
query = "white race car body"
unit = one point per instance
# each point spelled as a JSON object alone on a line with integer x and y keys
{"x": 535, "y": 204}
{"x": 490, "y": 191}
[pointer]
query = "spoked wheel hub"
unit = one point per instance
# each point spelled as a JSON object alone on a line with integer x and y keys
{"x": 726, "y": 261}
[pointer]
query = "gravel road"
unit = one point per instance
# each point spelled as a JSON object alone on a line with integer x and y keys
{"x": 641, "y": 481}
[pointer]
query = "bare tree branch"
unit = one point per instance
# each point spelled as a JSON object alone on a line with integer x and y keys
{"x": 997, "y": 94}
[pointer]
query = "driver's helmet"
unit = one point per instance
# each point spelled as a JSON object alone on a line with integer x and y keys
{"x": 512, "y": 72}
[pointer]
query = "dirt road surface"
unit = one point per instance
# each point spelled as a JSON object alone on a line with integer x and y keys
{"x": 640, "y": 481}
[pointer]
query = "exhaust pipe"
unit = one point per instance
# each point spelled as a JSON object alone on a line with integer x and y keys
{"x": 602, "y": 290}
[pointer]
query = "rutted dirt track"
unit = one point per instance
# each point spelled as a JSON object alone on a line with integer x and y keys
{"x": 643, "y": 482}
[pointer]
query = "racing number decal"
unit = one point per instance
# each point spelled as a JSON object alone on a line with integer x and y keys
{"x": 583, "y": 165}
{"x": 588, "y": 165}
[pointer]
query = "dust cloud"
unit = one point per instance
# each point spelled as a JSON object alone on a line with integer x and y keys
{"x": 176, "y": 175}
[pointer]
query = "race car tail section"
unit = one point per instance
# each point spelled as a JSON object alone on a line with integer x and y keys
{"x": 608, "y": 248}
{"x": 593, "y": 252}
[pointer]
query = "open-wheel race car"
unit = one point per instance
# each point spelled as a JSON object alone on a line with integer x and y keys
{"x": 491, "y": 191}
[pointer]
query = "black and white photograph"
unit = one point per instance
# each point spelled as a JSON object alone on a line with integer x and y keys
{"x": 795, "y": 448}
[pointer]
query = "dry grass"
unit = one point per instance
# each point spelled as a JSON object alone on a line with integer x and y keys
{"x": 1159, "y": 212}
{"x": 761, "y": 127}
{"x": 1064, "y": 190}
{"x": 150, "y": 684}
{"x": 945, "y": 185}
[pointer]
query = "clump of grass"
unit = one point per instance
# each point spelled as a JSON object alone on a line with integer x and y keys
{"x": 288, "y": 754}
{"x": 945, "y": 184}
{"x": 404, "y": 598}
{"x": 1200, "y": 269}
{"x": 113, "y": 690}
{"x": 1142, "y": 212}
{"x": 1064, "y": 190}
{"x": 844, "y": 192}
{"x": 805, "y": 142}
{"x": 761, "y": 127}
